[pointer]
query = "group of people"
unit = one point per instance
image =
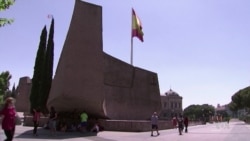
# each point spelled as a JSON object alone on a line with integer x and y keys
{"x": 51, "y": 123}
{"x": 61, "y": 124}
{"x": 9, "y": 121}
{"x": 182, "y": 124}
{"x": 179, "y": 122}
{"x": 9, "y": 117}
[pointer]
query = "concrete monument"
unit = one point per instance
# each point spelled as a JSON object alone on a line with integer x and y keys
{"x": 89, "y": 79}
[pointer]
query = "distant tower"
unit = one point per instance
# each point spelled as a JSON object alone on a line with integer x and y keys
{"x": 23, "y": 93}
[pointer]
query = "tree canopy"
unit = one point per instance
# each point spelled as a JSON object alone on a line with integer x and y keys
{"x": 196, "y": 112}
{"x": 4, "y": 5}
{"x": 35, "y": 100}
{"x": 240, "y": 99}
{"x": 4, "y": 85}
{"x": 43, "y": 70}
{"x": 4, "y": 82}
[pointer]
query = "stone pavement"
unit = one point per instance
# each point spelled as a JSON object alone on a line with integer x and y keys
{"x": 234, "y": 131}
{"x": 25, "y": 133}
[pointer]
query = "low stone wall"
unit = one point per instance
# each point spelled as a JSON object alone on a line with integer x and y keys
{"x": 193, "y": 123}
{"x": 28, "y": 121}
{"x": 119, "y": 125}
{"x": 136, "y": 125}
{"x": 131, "y": 125}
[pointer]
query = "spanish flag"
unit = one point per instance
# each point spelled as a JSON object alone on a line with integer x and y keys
{"x": 136, "y": 26}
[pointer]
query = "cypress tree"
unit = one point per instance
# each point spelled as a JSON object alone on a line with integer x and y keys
{"x": 13, "y": 91}
{"x": 38, "y": 71}
{"x": 48, "y": 68}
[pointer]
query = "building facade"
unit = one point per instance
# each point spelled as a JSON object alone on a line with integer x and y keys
{"x": 171, "y": 105}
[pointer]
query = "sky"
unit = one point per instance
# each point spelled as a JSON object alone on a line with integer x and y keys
{"x": 199, "y": 48}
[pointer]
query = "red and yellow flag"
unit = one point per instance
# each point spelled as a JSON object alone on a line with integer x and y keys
{"x": 136, "y": 26}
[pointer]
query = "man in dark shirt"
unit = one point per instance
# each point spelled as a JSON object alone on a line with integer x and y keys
{"x": 154, "y": 123}
{"x": 180, "y": 124}
{"x": 186, "y": 124}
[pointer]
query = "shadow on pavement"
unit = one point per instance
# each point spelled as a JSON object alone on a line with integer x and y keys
{"x": 45, "y": 134}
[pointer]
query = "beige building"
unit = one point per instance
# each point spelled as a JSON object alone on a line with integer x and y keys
{"x": 171, "y": 105}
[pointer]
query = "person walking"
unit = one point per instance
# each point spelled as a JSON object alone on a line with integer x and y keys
{"x": 154, "y": 124}
{"x": 36, "y": 118}
{"x": 84, "y": 120}
{"x": 180, "y": 124}
{"x": 174, "y": 120}
{"x": 52, "y": 120}
{"x": 9, "y": 115}
{"x": 186, "y": 124}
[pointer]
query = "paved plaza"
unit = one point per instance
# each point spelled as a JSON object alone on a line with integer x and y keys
{"x": 234, "y": 131}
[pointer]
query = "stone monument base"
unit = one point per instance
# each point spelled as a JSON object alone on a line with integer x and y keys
{"x": 120, "y": 125}
{"x": 133, "y": 125}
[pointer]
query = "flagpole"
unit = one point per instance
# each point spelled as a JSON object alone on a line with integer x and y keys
{"x": 131, "y": 52}
{"x": 131, "y": 55}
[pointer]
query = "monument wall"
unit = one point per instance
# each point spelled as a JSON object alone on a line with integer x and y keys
{"x": 130, "y": 92}
{"x": 89, "y": 79}
{"x": 23, "y": 92}
{"x": 78, "y": 81}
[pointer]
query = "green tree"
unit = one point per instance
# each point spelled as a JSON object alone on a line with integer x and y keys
{"x": 193, "y": 112}
{"x": 4, "y": 5}
{"x": 208, "y": 109}
{"x": 4, "y": 84}
{"x": 245, "y": 94}
{"x": 197, "y": 112}
{"x": 238, "y": 99}
{"x": 48, "y": 68}
{"x": 232, "y": 106}
{"x": 35, "y": 100}
{"x": 13, "y": 92}
{"x": 10, "y": 93}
